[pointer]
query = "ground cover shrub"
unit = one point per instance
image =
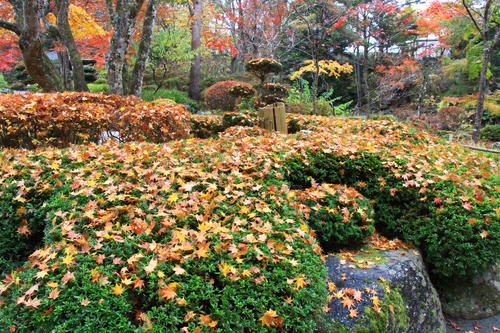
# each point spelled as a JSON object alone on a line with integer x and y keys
{"x": 218, "y": 96}
{"x": 208, "y": 234}
{"x": 340, "y": 215}
{"x": 61, "y": 119}
{"x": 422, "y": 195}
{"x": 160, "y": 238}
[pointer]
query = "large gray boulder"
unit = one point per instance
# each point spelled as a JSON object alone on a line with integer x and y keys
{"x": 388, "y": 292}
{"x": 474, "y": 298}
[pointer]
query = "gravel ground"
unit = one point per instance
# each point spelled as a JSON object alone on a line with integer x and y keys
{"x": 487, "y": 325}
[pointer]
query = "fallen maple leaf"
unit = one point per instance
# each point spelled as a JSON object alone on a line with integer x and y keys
{"x": 151, "y": 266}
{"x": 168, "y": 291}
{"x": 347, "y": 302}
{"x": 178, "y": 270}
{"x": 118, "y": 289}
{"x": 454, "y": 325}
{"x": 484, "y": 234}
{"x": 269, "y": 318}
{"x": 353, "y": 313}
{"x": 67, "y": 277}
{"x": 54, "y": 294}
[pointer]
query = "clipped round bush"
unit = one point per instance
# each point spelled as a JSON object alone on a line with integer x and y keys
{"x": 218, "y": 96}
{"x": 299, "y": 108}
{"x": 340, "y": 215}
{"x": 490, "y": 133}
{"x": 324, "y": 108}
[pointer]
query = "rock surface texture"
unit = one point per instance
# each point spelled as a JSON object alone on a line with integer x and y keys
{"x": 475, "y": 298}
{"x": 393, "y": 294}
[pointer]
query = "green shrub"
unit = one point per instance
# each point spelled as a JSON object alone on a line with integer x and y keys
{"x": 248, "y": 119}
{"x": 3, "y": 83}
{"x": 340, "y": 216}
{"x": 457, "y": 237}
{"x": 122, "y": 251}
{"x": 177, "y": 96}
{"x": 490, "y": 133}
{"x": 98, "y": 87}
{"x": 324, "y": 108}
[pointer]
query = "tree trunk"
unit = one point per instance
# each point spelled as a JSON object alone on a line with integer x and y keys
{"x": 195, "y": 73}
{"x": 65, "y": 70}
{"x": 38, "y": 65}
{"x": 487, "y": 46}
{"x": 314, "y": 93}
{"x": 366, "y": 88}
{"x": 69, "y": 42}
{"x": 124, "y": 18}
{"x": 137, "y": 77}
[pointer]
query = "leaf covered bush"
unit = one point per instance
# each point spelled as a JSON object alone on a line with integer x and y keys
{"x": 340, "y": 215}
{"x": 219, "y": 97}
{"x": 208, "y": 234}
{"x": 61, "y": 119}
{"x": 440, "y": 197}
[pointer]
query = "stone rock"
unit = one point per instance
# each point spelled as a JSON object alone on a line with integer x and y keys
{"x": 391, "y": 292}
{"x": 474, "y": 298}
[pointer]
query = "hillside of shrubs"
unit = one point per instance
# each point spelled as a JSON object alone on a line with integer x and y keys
{"x": 207, "y": 223}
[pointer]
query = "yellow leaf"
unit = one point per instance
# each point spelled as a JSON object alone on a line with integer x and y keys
{"x": 118, "y": 289}
{"x": 173, "y": 198}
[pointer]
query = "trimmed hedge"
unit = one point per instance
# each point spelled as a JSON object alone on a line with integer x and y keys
{"x": 61, "y": 119}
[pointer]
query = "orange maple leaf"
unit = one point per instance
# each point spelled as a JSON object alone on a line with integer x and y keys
{"x": 269, "y": 318}
{"x": 347, "y": 302}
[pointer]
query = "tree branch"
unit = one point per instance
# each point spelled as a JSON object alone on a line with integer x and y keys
{"x": 472, "y": 17}
{"x": 10, "y": 26}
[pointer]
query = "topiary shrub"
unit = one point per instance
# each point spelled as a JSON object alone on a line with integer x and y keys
{"x": 261, "y": 67}
{"x": 243, "y": 91}
{"x": 490, "y": 133}
{"x": 272, "y": 93}
{"x": 340, "y": 215}
{"x": 218, "y": 96}
{"x": 248, "y": 119}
